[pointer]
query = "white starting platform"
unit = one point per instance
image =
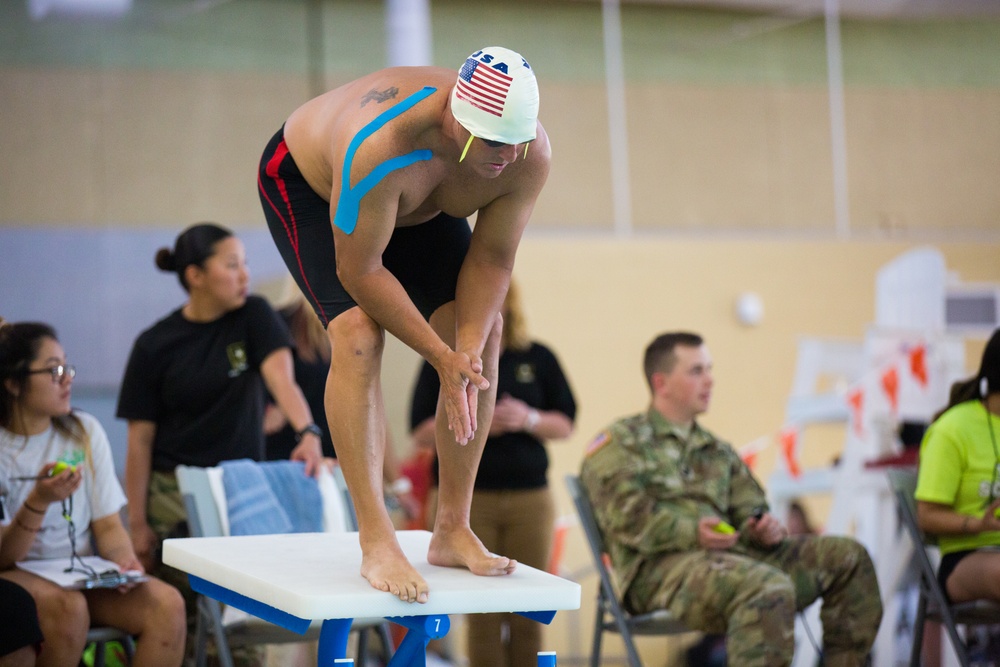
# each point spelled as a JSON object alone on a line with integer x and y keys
{"x": 294, "y": 579}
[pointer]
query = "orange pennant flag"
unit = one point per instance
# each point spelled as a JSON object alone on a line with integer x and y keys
{"x": 918, "y": 364}
{"x": 856, "y": 400}
{"x": 890, "y": 384}
{"x": 789, "y": 437}
{"x": 748, "y": 452}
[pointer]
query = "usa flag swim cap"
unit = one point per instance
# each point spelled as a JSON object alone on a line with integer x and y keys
{"x": 496, "y": 96}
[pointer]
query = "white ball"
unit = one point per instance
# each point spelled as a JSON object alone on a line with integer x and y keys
{"x": 749, "y": 309}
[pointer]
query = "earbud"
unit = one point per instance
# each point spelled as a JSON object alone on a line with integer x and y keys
{"x": 984, "y": 387}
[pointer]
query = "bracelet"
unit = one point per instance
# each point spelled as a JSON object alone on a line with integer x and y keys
{"x": 28, "y": 507}
{"x": 965, "y": 524}
{"x": 20, "y": 523}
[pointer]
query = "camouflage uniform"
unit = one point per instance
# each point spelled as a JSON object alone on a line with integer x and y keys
{"x": 650, "y": 482}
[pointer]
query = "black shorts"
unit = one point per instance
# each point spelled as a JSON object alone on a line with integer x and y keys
{"x": 425, "y": 258}
{"x": 18, "y": 619}
{"x": 948, "y": 564}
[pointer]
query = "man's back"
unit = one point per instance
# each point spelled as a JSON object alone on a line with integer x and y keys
{"x": 318, "y": 132}
{"x": 319, "y": 136}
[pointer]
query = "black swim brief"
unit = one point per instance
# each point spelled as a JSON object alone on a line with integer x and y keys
{"x": 424, "y": 258}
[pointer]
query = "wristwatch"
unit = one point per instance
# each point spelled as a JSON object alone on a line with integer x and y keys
{"x": 531, "y": 421}
{"x": 308, "y": 428}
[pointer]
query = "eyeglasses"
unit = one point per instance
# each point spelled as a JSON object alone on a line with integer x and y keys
{"x": 58, "y": 373}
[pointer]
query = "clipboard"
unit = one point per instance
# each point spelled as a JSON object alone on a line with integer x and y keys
{"x": 108, "y": 574}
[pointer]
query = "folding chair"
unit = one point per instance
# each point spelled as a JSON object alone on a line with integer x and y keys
{"x": 204, "y": 500}
{"x": 932, "y": 604}
{"x": 611, "y": 615}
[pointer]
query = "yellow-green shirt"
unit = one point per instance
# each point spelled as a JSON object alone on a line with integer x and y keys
{"x": 958, "y": 461}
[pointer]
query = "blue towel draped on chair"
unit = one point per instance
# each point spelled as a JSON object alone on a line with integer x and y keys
{"x": 271, "y": 497}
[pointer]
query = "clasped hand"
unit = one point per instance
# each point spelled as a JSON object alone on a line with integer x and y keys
{"x": 509, "y": 415}
{"x": 462, "y": 379}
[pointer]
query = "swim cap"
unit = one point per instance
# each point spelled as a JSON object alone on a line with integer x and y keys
{"x": 496, "y": 96}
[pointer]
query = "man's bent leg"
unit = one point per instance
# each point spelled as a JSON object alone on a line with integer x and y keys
{"x": 356, "y": 415}
{"x": 453, "y": 543}
{"x": 839, "y": 570}
{"x": 719, "y": 592}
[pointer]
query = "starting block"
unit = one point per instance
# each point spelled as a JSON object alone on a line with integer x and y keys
{"x": 294, "y": 579}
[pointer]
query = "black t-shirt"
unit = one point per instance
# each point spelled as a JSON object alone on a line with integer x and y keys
{"x": 512, "y": 460}
{"x": 200, "y": 383}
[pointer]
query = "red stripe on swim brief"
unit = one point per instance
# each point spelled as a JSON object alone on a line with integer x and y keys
{"x": 272, "y": 171}
{"x": 291, "y": 228}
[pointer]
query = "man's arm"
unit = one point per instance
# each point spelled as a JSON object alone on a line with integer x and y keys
{"x": 485, "y": 275}
{"x": 382, "y": 297}
{"x": 748, "y": 505}
{"x": 746, "y": 495}
{"x": 622, "y": 492}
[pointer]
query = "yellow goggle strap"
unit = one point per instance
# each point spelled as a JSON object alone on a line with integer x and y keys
{"x": 467, "y": 144}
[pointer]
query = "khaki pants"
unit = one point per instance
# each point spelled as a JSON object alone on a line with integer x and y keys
{"x": 517, "y": 524}
{"x": 752, "y": 595}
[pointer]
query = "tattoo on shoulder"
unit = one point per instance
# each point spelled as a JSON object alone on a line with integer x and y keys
{"x": 380, "y": 96}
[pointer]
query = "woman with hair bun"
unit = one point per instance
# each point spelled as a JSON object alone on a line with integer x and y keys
{"x": 63, "y": 497}
{"x": 193, "y": 391}
{"x": 958, "y": 489}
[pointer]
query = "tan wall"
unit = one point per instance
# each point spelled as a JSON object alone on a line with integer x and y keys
{"x": 142, "y": 148}
{"x": 598, "y": 302}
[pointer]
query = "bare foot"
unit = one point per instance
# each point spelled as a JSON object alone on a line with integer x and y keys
{"x": 461, "y": 548}
{"x": 387, "y": 569}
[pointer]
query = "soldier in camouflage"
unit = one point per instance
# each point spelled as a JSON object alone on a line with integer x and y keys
{"x": 687, "y": 528}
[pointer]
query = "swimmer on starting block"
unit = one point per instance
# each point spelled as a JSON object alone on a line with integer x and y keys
{"x": 366, "y": 190}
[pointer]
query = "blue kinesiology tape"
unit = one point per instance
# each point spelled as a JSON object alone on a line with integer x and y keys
{"x": 346, "y": 218}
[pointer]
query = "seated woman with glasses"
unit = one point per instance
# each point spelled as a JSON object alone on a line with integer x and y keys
{"x": 63, "y": 502}
{"x": 958, "y": 490}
